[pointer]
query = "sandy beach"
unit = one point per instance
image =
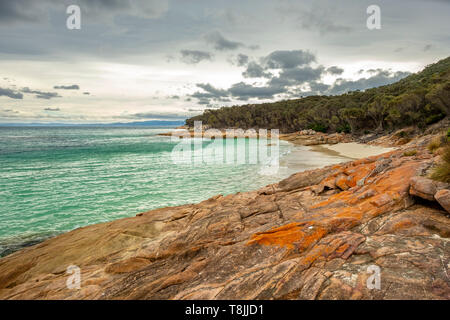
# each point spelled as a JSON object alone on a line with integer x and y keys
{"x": 310, "y": 157}
{"x": 351, "y": 150}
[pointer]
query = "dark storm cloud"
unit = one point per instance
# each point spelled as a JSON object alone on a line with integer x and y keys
{"x": 204, "y": 101}
{"x": 241, "y": 59}
{"x": 195, "y": 56}
{"x": 255, "y": 70}
{"x": 284, "y": 59}
{"x": 41, "y": 94}
{"x": 10, "y": 93}
{"x": 244, "y": 91}
{"x": 290, "y": 80}
{"x": 382, "y": 77}
{"x": 72, "y": 87}
{"x": 297, "y": 76}
{"x": 221, "y": 43}
{"x": 318, "y": 87}
{"x": 334, "y": 70}
{"x": 240, "y": 91}
{"x": 212, "y": 91}
{"x": 289, "y": 63}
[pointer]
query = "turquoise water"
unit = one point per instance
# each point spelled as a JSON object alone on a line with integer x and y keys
{"x": 57, "y": 179}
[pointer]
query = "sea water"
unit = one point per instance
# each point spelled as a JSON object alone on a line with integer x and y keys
{"x": 56, "y": 179}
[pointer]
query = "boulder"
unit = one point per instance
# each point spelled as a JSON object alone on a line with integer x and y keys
{"x": 423, "y": 188}
{"x": 341, "y": 182}
{"x": 443, "y": 197}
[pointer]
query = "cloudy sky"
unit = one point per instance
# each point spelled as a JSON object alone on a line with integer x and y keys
{"x": 136, "y": 60}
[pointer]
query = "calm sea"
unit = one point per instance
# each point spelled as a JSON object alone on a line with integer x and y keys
{"x": 55, "y": 179}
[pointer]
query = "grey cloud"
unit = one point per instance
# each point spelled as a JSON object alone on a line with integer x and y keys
{"x": 253, "y": 47}
{"x": 243, "y": 91}
{"x": 335, "y": 70}
{"x": 382, "y": 77}
{"x": 195, "y": 56}
{"x": 10, "y": 111}
{"x": 10, "y": 93}
{"x": 52, "y": 109}
{"x": 221, "y": 43}
{"x": 255, "y": 70}
{"x": 284, "y": 59}
{"x": 318, "y": 87}
{"x": 241, "y": 59}
{"x": 214, "y": 92}
{"x": 72, "y": 87}
{"x": 319, "y": 17}
{"x": 86, "y": 93}
{"x": 204, "y": 101}
{"x": 20, "y": 11}
{"x": 210, "y": 93}
{"x": 195, "y": 110}
{"x": 35, "y": 11}
{"x": 289, "y": 81}
{"x": 428, "y": 47}
{"x": 154, "y": 115}
{"x": 41, "y": 94}
{"x": 297, "y": 76}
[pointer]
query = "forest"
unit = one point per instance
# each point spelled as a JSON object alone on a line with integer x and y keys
{"x": 420, "y": 99}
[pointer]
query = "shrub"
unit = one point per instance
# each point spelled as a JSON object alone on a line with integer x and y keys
{"x": 442, "y": 171}
{"x": 318, "y": 127}
{"x": 434, "y": 144}
{"x": 410, "y": 153}
{"x": 434, "y": 118}
{"x": 345, "y": 128}
{"x": 401, "y": 134}
{"x": 448, "y": 134}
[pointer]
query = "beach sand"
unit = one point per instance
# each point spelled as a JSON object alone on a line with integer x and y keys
{"x": 311, "y": 157}
{"x": 351, "y": 150}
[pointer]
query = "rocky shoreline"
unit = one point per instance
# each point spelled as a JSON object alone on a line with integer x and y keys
{"x": 304, "y": 137}
{"x": 311, "y": 236}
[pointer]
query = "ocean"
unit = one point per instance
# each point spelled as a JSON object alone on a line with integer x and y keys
{"x": 56, "y": 179}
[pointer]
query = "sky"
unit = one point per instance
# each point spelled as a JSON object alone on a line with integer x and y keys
{"x": 138, "y": 60}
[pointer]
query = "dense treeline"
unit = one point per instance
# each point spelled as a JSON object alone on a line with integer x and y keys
{"x": 419, "y": 99}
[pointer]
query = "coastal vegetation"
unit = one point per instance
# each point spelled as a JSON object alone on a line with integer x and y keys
{"x": 410, "y": 153}
{"x": 442, "y": 171}
{"x": 420, "y": 100}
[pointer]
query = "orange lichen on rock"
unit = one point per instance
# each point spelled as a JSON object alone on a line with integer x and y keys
{"x": 390, "y": 187}
{"x": 346, "y": 209}
{"x": 334, "y": 246}
{"x": 291, "y": 235}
